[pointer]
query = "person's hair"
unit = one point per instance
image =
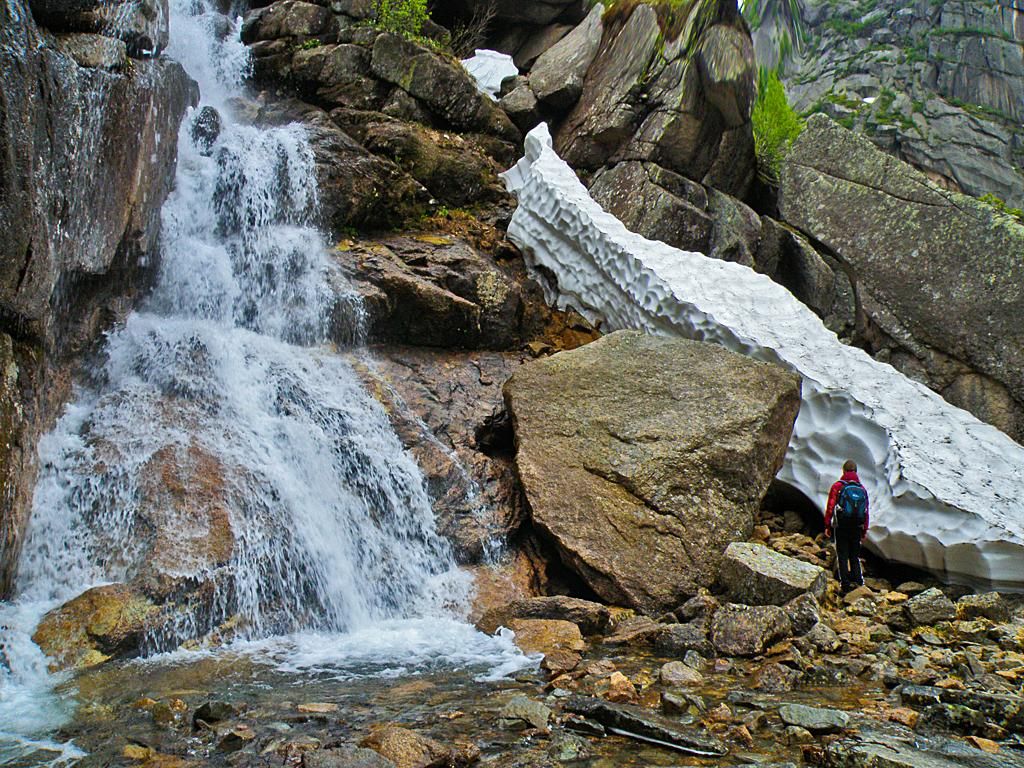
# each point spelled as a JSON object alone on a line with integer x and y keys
{"x": 850, "y": 466}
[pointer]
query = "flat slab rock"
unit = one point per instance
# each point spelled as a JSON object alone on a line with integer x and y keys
{"x": 756, "y": 575}
{"x": 814, "y": 719}
{"x": 639, "y": 722}
{"x": 877, "y": 750}
{"x": 643, "y": 456}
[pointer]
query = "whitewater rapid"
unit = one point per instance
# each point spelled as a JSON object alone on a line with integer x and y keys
{"x": 226, "y": 371}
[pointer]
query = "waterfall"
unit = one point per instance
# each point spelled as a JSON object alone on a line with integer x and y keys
{"x": 222, "y": 448}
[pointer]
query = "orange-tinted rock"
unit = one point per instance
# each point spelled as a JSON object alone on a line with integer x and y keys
{"x": 100, "y": 623}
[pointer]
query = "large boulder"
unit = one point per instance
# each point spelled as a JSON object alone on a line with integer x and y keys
{"x": 756, "y": 575}
{"x": 643, "y": 457}
{"x": 937, "y": 272}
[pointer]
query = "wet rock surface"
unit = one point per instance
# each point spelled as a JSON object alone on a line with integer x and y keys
{"x": 80, "y": 196}
{"x": 900, "y": 251}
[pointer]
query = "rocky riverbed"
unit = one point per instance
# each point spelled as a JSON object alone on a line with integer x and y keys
{"x": 908, "y": 674}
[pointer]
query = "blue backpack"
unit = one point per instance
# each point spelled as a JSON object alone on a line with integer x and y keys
{"x": 851, "y": 505}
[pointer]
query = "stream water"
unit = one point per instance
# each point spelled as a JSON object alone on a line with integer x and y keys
{"x": 224, "y": 382}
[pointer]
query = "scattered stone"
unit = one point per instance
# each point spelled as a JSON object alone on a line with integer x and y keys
{"x": 346, "y": 756}
{"x": 702, "y": 606}
{"x": 405, "y": 748}
{"x": 814, "y": 719}
{"x": 797, "y": 735}
{"x": 616, "y": 687}
{"x": 678, "y": 673}
{"x": 236, "y": 738}
{"x": 911, "y": 588}
{"x": 628, "y": 720}
{"x": 875, "y": 749}
{"x": 903, "y": 716}
{"x": 532, "y": 712}
{"x": 986, "y": 745}
{"x": 859, "y": 593}
{"x": 546, "y": 635}
{"x": 756, "y": 575}
{"x": 635, "y": 630}
{"x": 679, "y": 639}
{"x": 804, "y": 613}
{"x": 930, "y": 607}
{"x": 561, "y": 661}
{"x": 989, "y": 605}
{"x": 566, "y": 747}
{"x": 775, "y": 678}
{"x": 824, "y": 638}
{"x": 741, "y": 630}
{"x": 319, "y": 708}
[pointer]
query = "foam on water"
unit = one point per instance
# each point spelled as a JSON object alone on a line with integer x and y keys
{"x": 224, "y": 382}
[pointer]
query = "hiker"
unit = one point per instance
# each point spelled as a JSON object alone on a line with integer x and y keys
{"x": 846, "y": 518}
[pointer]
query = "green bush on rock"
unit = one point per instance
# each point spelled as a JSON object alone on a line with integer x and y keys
{"x": 406, "y": 17}
{"x": 776, "y": 125}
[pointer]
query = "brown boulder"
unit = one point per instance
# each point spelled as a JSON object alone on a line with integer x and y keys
{"x": 643, "y": 457}
{"x": 592, "y": 618}
{"x": 100, "y": 623}
{"x": 547, "y": 635}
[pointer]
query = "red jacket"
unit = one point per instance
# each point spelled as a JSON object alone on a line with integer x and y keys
{"x": 848, "y": 477}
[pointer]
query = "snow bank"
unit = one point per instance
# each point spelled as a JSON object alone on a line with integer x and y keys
{"x": 947, "y": 491}
{"x": 489, "y": 68}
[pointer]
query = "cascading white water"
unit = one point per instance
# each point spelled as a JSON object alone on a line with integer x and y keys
{"x": 223, "y": 384}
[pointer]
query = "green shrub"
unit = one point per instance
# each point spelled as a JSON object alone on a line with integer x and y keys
{"x": 406, "y": 17}
{"x": 1002, "y": 207}
{"x": 776, "y": 125}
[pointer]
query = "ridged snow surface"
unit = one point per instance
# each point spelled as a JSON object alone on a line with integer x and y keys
{"x": 947, "y": 491}
{"x": 489, "y": 68}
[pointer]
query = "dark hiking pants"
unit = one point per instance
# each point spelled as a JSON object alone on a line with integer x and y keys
{"x": 848, "y": 555}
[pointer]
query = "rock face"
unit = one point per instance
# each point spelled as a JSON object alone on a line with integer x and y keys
{"x": 938, "y": 273}
{"x": 677, "y": 99}
{"x": 756, "y": 575}
{"x": 558, "y": 75}
{"x": 952, "y": 484}
{"x": 80, "y": 198}
{"x": 939, "y": 85}
{"x": 396, "y": 128}
{"x": 642, "y": 456}
{"x": 662, "y": 205}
